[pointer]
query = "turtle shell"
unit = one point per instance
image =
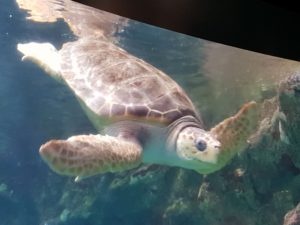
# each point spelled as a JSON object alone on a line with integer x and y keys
{"x": 116, "y": 85}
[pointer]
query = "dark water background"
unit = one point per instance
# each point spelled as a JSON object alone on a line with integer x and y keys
{"x": 35, "y": 108}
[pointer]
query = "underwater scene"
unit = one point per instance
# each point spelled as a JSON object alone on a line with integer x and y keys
{"x": 114, "y": 121}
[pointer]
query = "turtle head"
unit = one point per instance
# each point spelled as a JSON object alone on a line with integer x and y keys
{"x": 209, "y": 151}
{"x": 198, "y": 149}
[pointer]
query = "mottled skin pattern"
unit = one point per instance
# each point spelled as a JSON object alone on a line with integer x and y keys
{"x": 232, "y": 134}
{"x": 238, "y": 128}
{"x": 87, "y": 155}
{"x": 161, "y": 125}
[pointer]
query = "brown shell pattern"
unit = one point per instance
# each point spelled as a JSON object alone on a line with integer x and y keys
{"x": 117, "y": 85}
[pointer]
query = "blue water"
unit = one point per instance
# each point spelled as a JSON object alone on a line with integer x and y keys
{"x": 35, "y": 108}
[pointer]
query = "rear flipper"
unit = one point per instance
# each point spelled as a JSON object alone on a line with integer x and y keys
{"x": 87, "y": 155}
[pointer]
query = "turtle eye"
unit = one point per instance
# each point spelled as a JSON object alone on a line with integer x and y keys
{"x": 201, "y": 145}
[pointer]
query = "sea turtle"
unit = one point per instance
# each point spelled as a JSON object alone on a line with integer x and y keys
{"x": 142, "y": 114}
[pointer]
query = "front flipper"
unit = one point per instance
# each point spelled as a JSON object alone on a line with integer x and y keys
{"x": 234, "y": 131}
{"x": 88, "y": 155}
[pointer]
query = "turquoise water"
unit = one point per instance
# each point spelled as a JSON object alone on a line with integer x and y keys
{"x": 258, "y": 187}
